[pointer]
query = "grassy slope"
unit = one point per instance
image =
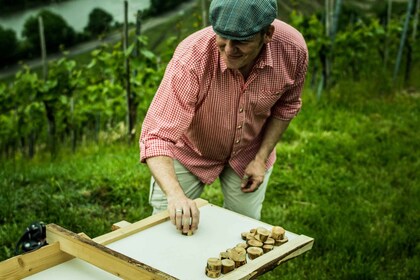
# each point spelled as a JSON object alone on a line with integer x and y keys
{"x": 347, "y": 175}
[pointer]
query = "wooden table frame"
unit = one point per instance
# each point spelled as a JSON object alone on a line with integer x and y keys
{"x": 65, "y": 245}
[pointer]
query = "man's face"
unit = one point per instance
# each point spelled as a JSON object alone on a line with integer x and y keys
{"x": 241, "y": 55}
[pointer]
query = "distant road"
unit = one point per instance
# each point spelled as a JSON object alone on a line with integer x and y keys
{"x": 91, "y": 45}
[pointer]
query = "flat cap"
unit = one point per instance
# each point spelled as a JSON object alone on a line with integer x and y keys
{"x": 241, "y": 19}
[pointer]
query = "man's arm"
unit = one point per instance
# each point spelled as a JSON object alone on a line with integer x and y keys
{"x": 162, "y": 169}
{"x": 255, "y": 171}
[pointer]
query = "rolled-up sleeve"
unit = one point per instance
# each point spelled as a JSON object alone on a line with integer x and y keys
{"x": 289, "y": 104}
{"x": 170, "y": 112}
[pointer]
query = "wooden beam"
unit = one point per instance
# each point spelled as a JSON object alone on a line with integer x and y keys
{"x": 272, "y": 259}
{"x": 139, "y": 226}
{"x": 48, "y": 256}
{"x": 31, "y": 263}
{"x": 102, "y": 257}
{"x": 119, "y": 225}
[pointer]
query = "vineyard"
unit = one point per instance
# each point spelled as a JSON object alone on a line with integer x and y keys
{"x": 347, "y": 168}
{"x": 78, "y": 102}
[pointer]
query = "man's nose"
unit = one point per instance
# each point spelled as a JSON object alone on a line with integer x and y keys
{"x": 230, "y": 47}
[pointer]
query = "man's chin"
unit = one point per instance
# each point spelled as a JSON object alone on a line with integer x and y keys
{"x": 233, "y": 66}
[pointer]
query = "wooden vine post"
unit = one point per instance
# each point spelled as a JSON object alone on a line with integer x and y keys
{"x": 403, "y": 40}
{"x": 129, "y": 96}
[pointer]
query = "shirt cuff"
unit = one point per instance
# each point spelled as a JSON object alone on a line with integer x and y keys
{"x": 154, "y": 148}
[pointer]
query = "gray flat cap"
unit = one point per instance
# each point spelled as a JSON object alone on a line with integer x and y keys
{"x": 241, "y": 19}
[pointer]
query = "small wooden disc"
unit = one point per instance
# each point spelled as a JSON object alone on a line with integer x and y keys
{"x": 267, "y": 248}
{"x": 189, "y": 233}
{"x": 250, "y": 236}
{"x": 213, "y": 274}
{"x": 243, "y": 235}
{"x": 263, "y": 234}
{"x": 214, "y": 264}
{"x": 240, "y": 263}
{"x": 227, "y": 266}
{"x": 281, "y": 241}
{"x": 243, "y": 245}
{"x": 269, "y": 241}
{"x": 224, "y": 255}
{"x": 254, "y": 243}
{"x": 237, "y": 254}
{"x": 277, "y": 233}
{"x": 254, "y": 252}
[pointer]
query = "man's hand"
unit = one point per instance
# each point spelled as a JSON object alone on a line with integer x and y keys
{"x": 254, "y": 176}
{"x": 183, "y": 213}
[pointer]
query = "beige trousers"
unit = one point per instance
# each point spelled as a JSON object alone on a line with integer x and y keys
{"x": 248, "y": 204}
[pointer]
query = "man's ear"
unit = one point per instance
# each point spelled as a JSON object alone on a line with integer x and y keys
{"x": 269, "y": 34}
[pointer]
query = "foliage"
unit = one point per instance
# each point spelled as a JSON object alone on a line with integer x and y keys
{"x": 347, "y": 178}
{"x": 99, "y": 22}
{"x": 57, "y": 32}
{"x": 363, "y": 49}
{"x": 8, "y": 45}
{"x": 75, "y": 101}
{"x": 158, "y": 7}
{"x": 346, "y": 175}
{"x": 8, "y": 6}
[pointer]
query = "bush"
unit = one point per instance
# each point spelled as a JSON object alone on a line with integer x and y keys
{"x": 158, "y": 7}
{"x": 57, "y": 32}
{"x": 8, "y": 46}
{"x": 99, "y": 22}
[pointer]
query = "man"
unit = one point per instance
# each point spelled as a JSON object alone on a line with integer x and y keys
{"x": 227, "y": 96}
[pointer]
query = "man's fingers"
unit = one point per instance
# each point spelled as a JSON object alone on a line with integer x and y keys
{"x": 251, "y": 186}
{"x": 178, "y": 218}
{"x": 185, "y": 216}
{"x": 195, "y": 217}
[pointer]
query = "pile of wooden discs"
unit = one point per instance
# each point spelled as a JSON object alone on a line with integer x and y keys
{"x": 258, "y": 242}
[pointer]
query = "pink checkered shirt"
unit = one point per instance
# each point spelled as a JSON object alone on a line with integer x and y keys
{"x": 206, "y": 116}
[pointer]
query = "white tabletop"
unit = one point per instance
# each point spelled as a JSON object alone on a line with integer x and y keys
{"x": 164, "y": 248}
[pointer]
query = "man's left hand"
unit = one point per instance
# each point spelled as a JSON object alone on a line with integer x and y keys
{"x": 254, "y": 176}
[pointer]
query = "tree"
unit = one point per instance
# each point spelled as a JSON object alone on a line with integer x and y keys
{"x": 8, "y": 45}
{"x": 158, "y": 7}
{"x": 57, "y": 32}
{"x": 99, "y": 22}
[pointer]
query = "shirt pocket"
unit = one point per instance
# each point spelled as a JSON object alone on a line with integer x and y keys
{"x": 264, "y": 101}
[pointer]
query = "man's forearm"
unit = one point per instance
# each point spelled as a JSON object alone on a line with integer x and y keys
{"x": 273, "y": 133}
{"x": 162, "y": 169}
{"x": 183, "y": 212}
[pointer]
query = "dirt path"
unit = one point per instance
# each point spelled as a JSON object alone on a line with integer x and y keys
{"x": 88, "y": 46}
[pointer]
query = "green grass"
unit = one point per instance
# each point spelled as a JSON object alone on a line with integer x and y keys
{"x": 347, "y": 174}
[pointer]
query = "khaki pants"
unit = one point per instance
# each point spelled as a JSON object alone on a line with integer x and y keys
{"x": 248, "y": 204}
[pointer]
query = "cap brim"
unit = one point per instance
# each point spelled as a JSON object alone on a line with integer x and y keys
{"x": 234, "y": 37}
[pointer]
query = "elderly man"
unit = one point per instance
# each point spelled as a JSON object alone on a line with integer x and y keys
{"x": 227, "y": 96}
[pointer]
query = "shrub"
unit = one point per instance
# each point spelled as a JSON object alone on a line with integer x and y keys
{"x": 8, "y": 46}
{"x": 57, "y": 32}
{"x": 99, "y": 22}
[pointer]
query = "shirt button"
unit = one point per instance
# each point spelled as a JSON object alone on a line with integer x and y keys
{"x": 237, "y": 141}
{"x": 241, "y": 110}
{"x": 239, "y": 126}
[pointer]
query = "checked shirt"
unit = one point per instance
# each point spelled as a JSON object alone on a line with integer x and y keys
{"x": 207, "y": 116}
